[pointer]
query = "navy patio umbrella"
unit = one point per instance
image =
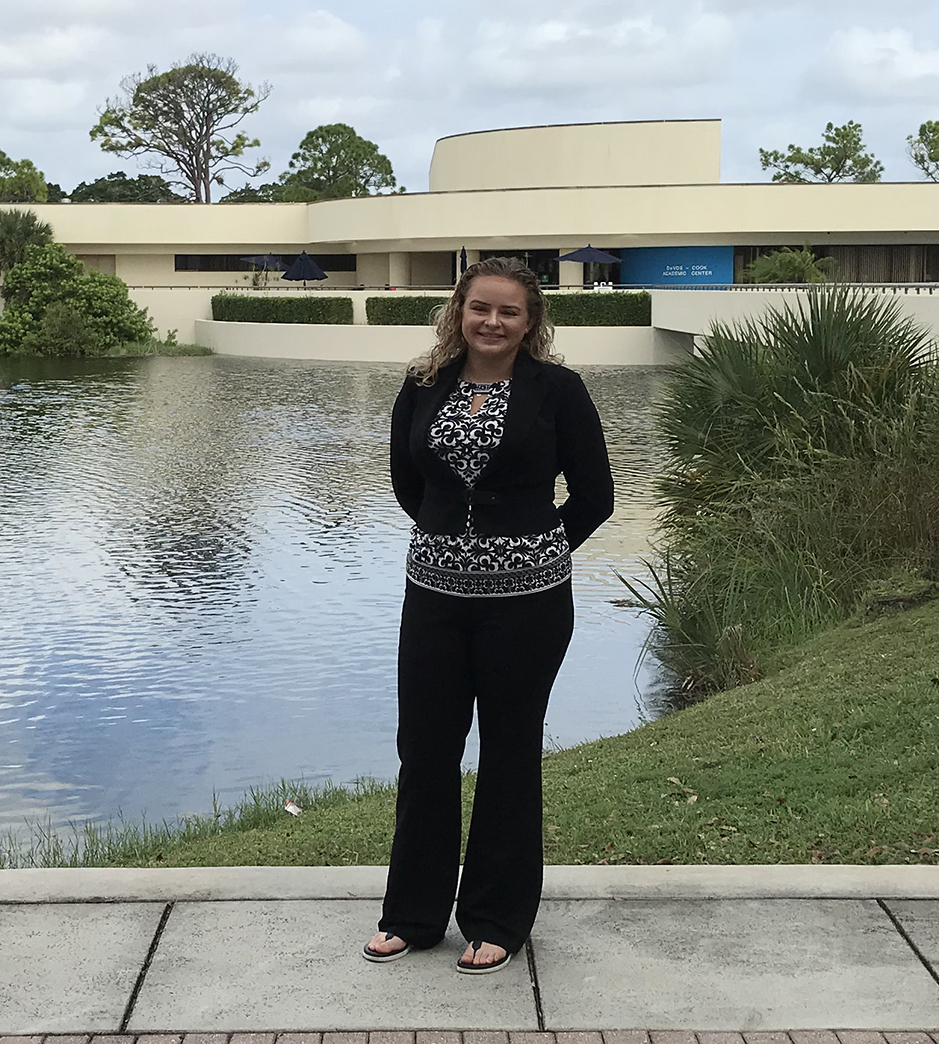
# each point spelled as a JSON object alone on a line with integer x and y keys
{"x": 462, "y": 260}
{"x": 304, "y": 268}
{"x": 269, "y": 262}
{"x": 589, "y": 254}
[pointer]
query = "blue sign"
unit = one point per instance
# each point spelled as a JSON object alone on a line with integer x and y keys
{"x": 683, "y": 266}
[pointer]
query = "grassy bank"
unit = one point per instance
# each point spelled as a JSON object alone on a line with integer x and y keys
{"x": 832, "y": 759}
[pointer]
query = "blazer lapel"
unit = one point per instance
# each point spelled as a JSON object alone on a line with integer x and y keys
{"x": 429, "y": 401}
{"x": 528, "y": 391}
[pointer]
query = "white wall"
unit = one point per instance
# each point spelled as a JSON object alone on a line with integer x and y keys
{"x": 176, "y": 309}
{"x": 580, "y": 346}
{"x": 693, "y": 311}
{"x": 644, "y": 152}
{"x": 619, "y": 215}
{"x": 289, "y": 341}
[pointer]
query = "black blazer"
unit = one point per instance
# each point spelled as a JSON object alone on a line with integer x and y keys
{"x": 551, "y": 427}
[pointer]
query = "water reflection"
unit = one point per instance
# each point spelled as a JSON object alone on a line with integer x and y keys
{"x": 201, "y": 572}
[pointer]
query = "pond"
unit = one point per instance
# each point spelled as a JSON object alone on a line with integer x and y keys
{"x": 201, "y": 572}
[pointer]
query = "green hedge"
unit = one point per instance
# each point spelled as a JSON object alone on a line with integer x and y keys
{"x": 594, "y": 308}
{"x": 401, "y": 311}
{"x": 587, "y": 309}
{"x": 240, "y": 308}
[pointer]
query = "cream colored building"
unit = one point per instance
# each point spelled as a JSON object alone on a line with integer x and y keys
{"x": 649, "y": 192}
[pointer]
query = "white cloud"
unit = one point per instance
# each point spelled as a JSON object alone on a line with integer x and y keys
{"x": 56, "y": 52}
{"x": 405, "y": 74}
{"x": 41, "y": 104}
{"x": 883, "y": 66}
{"x": 593, "y": 54}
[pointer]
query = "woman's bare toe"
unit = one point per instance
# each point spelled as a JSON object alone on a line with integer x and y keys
{"x": 381, "y": 942}
{"x": 487, "y": 953}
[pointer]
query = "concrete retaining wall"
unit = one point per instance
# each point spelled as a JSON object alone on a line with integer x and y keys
{"x": 614, "y": 346}
{"x": 693, "y": 311}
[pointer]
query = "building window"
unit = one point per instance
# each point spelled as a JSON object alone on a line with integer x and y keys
{"x": 875, "y": 263}
{"x": 235, "y": 263}
{"x": 544, "y": 263}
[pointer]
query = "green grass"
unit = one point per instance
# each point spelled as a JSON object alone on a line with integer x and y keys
{"x": 140, "y": 348}
{"x": 834, "y": 759}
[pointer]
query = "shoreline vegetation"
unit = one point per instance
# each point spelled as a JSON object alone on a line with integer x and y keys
{"x": 54, "y": 307}
{"x": 139, "y": 349}
{"x": 795, "y": 597}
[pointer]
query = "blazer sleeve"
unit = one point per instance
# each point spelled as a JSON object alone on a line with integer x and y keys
{"x": 584, "y": 463}
{"x": 406, "y": 480}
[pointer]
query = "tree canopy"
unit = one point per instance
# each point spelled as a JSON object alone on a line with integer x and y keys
{"x": 923, "y": 149}
{"x": 840, "y": 157}
{"x": 333, "y": 162}
{"x": 179, "y": 119}
{"x": 21, "y": 182}
{"x": 119, "y": 188}
{"x": 270, "y": 193}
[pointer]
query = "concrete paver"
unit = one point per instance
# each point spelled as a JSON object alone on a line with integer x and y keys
{"x": 71, "y": 967}
{"x": 920, "y": 919}
{"x": 622, "y": 955}
{"x": 719, "y": 964}
{"x": 297, "y": 965}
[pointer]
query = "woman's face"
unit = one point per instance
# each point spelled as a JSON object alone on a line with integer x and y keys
{"x": 495, "y": 317}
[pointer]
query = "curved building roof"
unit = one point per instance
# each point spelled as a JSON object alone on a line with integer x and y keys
{"x": 655, "y": 152}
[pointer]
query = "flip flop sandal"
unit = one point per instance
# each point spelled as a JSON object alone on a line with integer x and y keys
{"x": 382, "y": 958}
{"x": 481, "y": 969}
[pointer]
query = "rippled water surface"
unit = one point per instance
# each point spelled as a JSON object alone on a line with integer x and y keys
{"x": 201, "y": 570}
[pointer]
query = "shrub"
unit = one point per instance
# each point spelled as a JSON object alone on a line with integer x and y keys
{"x": 803, "y": 467}
{"x": 788, "y": 266}
{"x": 813, "y": 373}
{"x": 586, "y": 309}
{"x": 241, "y": 308}
{"x": 63, "y": 330}
{"x": 49, "y": 295}
{"x": 46, "y": 273}
{"x": 16, "y": 325}
{"x": 402, "y": 311}
{"x": 620, "y": 308}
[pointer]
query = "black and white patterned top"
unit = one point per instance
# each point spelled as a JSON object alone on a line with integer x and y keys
{"x": 472, "y": 564}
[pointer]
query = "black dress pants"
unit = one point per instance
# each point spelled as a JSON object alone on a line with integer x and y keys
{"x": 504, "y": 653}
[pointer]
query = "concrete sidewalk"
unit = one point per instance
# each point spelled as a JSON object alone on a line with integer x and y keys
{"x": 272, "y": 951}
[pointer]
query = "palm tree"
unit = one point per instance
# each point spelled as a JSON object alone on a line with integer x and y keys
{"x": 18, "y": 230}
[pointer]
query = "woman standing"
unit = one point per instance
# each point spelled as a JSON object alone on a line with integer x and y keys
{"x": 480, "y": 431}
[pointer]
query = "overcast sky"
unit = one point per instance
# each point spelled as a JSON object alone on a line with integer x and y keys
{"x": 406, "y": 73}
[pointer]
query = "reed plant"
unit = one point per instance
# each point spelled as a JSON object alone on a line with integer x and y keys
{"x": 802, "y": 470}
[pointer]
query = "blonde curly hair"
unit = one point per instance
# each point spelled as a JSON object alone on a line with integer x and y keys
{"x": 538, "y": 342}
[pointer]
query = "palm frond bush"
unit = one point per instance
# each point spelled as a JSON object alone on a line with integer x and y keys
{"x": 18, "y": 230}
{"x": 802, "y": 455}
{"x": 788, "y": 266}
